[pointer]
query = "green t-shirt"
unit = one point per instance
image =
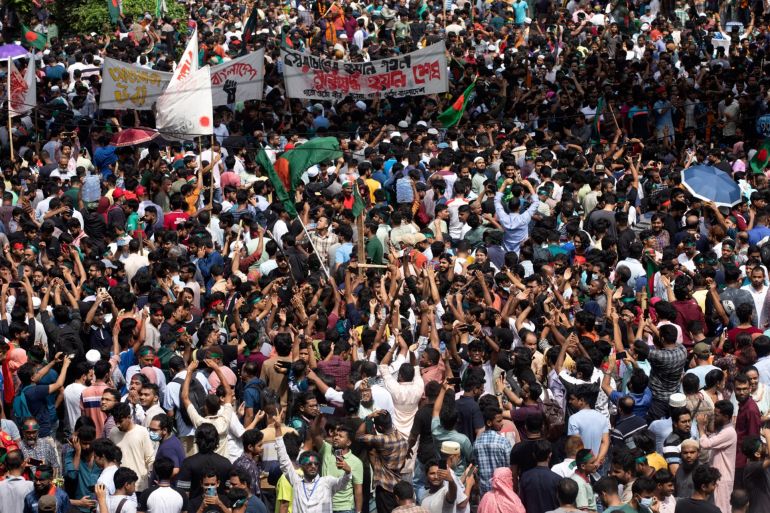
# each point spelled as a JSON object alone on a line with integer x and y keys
{"x": 132, "y": 223}
{"x": 344, "y": 500}
{"x": 374, "y": 251}
{"x": 442, "y": 435}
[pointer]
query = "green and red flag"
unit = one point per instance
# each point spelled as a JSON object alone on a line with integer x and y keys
{"x": 358, "y": 202}
{"x": 454, "y": 113}
{"x": 250, "y": 27}
{"x": 32, "y": 38}
{"x": 286, "y": 37}
{"x": 286, "y": 173}
{"x": 761, "y": 158}
{"x": 113, "y": 6}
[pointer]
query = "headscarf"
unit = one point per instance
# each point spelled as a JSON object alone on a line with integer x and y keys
{"x": 501, "y": 498}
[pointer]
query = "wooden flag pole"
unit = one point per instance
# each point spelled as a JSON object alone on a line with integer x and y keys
{"x": 211, "y": 191}
{"x": 361, "y": 245}
{"x": 10, "y": 133}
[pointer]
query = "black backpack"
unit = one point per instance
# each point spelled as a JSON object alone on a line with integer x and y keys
{"x": 197, "y": 399}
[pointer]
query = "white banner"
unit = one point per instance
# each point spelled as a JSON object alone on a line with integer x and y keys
{"x": 184, "y": 110}
{"x": 23, "y": 88}
{"x": 239, "y": 80}
{"x": 414, "y": 74}
{"x": 128, "y": 86}
{"x": 188, "y": 63}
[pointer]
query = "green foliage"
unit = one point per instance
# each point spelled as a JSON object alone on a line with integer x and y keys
{"x": 92, "y": 15}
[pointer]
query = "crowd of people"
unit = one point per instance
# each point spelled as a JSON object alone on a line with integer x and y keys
{"x": 532, "y": 314}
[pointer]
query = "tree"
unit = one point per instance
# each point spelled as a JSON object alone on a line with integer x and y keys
{"x": 91, "y": 15}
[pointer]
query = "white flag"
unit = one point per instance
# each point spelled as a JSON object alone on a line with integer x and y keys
{"x": 23, "y": 88}
{"x": 188, "y": 64}
{"x": 185, "y": 109}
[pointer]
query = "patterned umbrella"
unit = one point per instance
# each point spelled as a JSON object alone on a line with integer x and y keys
{"x": 133, "y": 137}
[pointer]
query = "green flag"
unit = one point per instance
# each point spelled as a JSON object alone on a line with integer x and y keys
{"x": 113, "y": 6}
{"x": 761, "y": 159}
{"x": 281, "y": 194}
{"x": 32, "y": 38}
{"x": 358, "y": 203}
{"x": 454, "y": 113}
{"x": 287, "y": 171}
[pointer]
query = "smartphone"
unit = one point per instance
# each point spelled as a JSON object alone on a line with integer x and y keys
{"x": 35, "y": 462}
{"x": 211, "y": 491}
{"x": 442, "y": 463}
{"x": 621, "y": 355}
{"x": 453, "y": 381}
{"x": 326, "y": 410}
{"x": 338, "y": 454}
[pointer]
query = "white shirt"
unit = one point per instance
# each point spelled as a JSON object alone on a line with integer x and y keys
{"x": 759, "y": 300}
{"x": 72, "y": 393}
{"x": 164, "y": 500}
{"x": 12, "y": 493}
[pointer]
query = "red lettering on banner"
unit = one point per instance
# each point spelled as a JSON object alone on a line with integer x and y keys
{"x": 239, "y": 70}
{"x": 426, "y": 71}
{"x": 185, "y": 67}
{"x": 385, "y": 81}
{"x": 19, "y": 89}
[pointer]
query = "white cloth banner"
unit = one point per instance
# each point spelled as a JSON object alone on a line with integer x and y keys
{"x": 188, "y": 63}
{"x": 184, "y": 110}
{"x": 128, "y": 86}
{"x": 239, "y": 80}
{"x": 23, "y": 89}
{"x": 414, "y": 74}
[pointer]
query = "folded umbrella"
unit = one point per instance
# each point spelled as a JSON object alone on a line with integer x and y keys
{"x": 711, "y": 184}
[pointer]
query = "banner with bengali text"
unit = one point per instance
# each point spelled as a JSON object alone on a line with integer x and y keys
{"x": 414, "y": 74}
{"x": 128, "y": 86}
{"x": 239, "y": 80}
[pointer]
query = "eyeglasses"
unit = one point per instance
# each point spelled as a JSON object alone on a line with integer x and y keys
{"x": 311, "y": 463}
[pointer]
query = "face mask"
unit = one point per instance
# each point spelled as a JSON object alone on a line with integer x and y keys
{"x": 155, "y": 437}
{"x": 646, "y": 502}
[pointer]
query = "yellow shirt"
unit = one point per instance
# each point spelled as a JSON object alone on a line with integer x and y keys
{"x": 284, "y": 492}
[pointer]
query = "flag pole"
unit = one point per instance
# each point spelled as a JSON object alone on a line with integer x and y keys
{"x": 10, "y": 134}
{"x": 211, "y": 190}
{"x": 360, "y": 242}
{"x": 310, "y": 240}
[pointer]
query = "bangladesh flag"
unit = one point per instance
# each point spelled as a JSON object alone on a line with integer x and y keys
{"x": 113, "y": 6}
{"x": 287, "y": 171}
{"x": 597, "y": 124}
{"x": 32, "y": 38}
{"x": 358, "y": 203}
{"x": 761, "y": 159}
{"x": 286, "y": 37}
{"x": 250, "y": 27}
{"x": 454, "y": 114}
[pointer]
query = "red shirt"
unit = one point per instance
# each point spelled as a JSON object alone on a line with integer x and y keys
{"x": 171, "y": 219}
{"x": 747, "y": 423}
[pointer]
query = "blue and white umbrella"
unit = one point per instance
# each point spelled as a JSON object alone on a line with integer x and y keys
{"x": 711, "y": 184}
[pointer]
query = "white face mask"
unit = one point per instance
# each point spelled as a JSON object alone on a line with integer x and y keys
{"x": 646, "y": 501}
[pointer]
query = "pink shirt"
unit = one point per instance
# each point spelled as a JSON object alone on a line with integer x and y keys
{"x": 214, "y": 379}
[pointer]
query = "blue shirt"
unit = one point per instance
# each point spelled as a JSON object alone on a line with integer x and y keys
{"x": 516, "y": 225}
{"x": 520, "y": 10}
{"x": 84, "y": 476}
{"x": 642, "y": 401}
{"x": 758, "y": 233}
{"x": 342, "y": 255}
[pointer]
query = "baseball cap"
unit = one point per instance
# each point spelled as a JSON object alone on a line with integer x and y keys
{"x": 702, "y": 349}
{"x": 47, "y": 503}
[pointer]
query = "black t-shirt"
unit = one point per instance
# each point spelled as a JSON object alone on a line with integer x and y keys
{"x": 194, "y": 504}
{"x": 756, "y": 479}
{"x": 469, "y": 417}
{"x": 522, "y": 455}
{"x": 689, "y": 505}
{"x": 426, "y": 448}
{"x": 195, "y": 468}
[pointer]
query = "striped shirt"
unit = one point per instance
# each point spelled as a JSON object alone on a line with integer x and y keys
{"x": 91, "y": 406}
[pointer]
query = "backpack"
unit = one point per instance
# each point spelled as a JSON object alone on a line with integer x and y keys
{"x": 20, "y": 407}
{"x": 554, "y": 418}
{"x": 197, "y": 399}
